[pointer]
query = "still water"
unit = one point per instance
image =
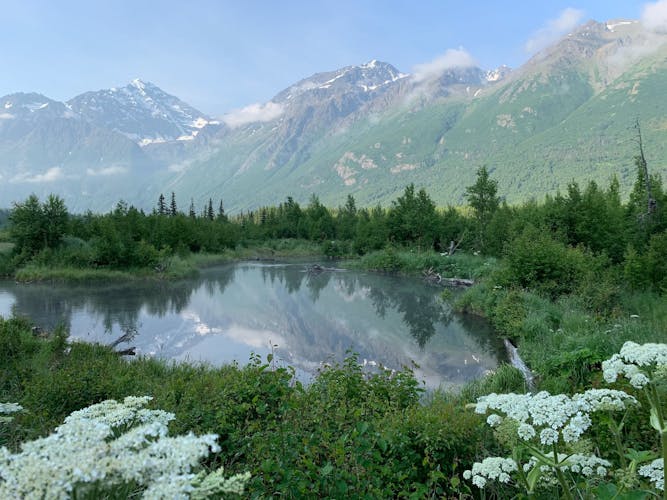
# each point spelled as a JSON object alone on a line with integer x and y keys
{"x": 305, "y": 318}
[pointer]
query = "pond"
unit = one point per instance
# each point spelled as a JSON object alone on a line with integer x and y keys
{"x": 304, "y": 318}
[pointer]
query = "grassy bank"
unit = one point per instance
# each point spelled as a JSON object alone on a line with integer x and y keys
{"x": 459, "y": 265}
{"x": 172, "y": 267}
{"x": 348, "y": 434}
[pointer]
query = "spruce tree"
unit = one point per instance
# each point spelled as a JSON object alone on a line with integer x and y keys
{"x": 209, "y": 210}
{"x": 193, "y": 215}
{"x": 161, "y": 206}
{"x": 221, "y": 212}
{"x": 172, "y": 209}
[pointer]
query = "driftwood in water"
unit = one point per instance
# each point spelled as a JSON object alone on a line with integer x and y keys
{"x": 127, "y": 352}
{"x": 317, "y": 269}
{"x": 458, "y": 282}
{"x": 432, "y": 277}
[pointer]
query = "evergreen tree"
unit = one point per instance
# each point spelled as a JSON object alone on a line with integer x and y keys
{"x": 161, "y": 206}
{"x": 172, "y": 209}
{"x": 192, "y": 213}
{"x": 221, "y": 212}
{"x": 209, "y": 211}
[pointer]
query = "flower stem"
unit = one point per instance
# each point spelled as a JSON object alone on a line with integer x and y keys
{"x": 561, "y": 476}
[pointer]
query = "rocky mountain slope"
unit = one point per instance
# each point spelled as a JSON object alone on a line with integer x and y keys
{"x": 366, "y": 130}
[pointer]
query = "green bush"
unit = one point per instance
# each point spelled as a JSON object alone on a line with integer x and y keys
{"x": 536, "y": 261}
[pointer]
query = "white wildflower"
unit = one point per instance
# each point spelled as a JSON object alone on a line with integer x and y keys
{"x": 494, "y": 420}
{"x": 10, "y": 407}
{"x": 551, "y": 415}
{"x": 526, "y": 431}
{"x": 492, "y": 469}
{"x": 109, "y": 443}
{"x": 548, "y": 436}
{"x": 655, "y": 472}
{"x": 632, "y": 361}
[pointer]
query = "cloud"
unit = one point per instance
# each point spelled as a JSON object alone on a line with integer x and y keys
{"x": 51, "y": 175}
{"x": 654, "y": 16}
{"x": 254, "y": 113}
{"x": 116, "y": 170}
{"x": 452, "y": 58}
{"x": 6, "y": 116}
{"x": 567, "y": 20}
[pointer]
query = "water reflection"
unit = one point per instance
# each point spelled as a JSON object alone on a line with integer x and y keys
{"x": 231, "y": 311}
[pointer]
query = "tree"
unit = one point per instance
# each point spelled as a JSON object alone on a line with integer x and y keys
{"x": 412, "y": 218}
{"x": 221, "y": 212}
{"x": 26, "y": 227}
{"x": 209, "y": 210}
{"x": 484, "y": 201}
{"x": 193, "y": 215}
{"x": 161, "y": 205}
{"x": 172, "y": 209}
{"x": 56, "y": 219}
{"x": 35, "y": 227}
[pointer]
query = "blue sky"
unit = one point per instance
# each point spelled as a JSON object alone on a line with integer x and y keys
{"x": 223, "y": 55}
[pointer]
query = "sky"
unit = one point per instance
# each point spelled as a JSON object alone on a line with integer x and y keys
{"x": 221, "y": 56}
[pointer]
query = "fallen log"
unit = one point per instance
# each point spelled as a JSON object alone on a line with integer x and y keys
{"x": 458, "y": 282}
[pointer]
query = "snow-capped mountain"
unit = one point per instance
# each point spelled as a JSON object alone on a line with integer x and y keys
{"x": 31, "y": 107}
{"x": 142, "y": 112}
{"x": 374, "y": 76}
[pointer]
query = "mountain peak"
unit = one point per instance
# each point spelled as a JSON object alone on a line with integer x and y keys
{"x": 142, "y": 112}
{"x": 138, "y": 84}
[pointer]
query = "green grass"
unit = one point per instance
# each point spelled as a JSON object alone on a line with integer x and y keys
{"x": 459, "y": 265}
{"x": 561, "y": 341}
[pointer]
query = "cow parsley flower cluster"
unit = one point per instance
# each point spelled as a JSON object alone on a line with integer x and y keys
{"x": 586, "y": 465}
{"x": 111, "y": 444}
{"x": 635, "y": 362}
{"x": 655, "y": 472}
{"x": 552, "y": 417}
{"x": 8, "y": 408}
{"x": 492, "y": 468}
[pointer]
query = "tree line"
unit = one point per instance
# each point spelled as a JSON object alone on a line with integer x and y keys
{"x": 591, "y": 220}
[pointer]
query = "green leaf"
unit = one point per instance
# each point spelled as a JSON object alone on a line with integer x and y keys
{"x": 326, "y": 470}
{"x": 532, "y": 477}
{"x": 362, "y": 427}
{"x": 655, "y": 422}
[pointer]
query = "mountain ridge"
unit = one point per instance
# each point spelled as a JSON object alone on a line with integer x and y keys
{"x": 366, "y": 130}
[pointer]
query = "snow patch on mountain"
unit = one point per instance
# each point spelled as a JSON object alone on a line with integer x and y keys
{"x": 142, "y": 112}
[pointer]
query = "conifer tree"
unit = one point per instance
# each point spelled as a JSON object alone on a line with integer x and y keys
{"x": 221, "y": 212}
{"x": 193, "y": 215}
{"x": 172, "y": 209}
{"x": 161, "y": 206}
{"x": 209, "y": 210}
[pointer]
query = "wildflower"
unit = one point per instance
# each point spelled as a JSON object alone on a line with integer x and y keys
{"x": 109, "y": 444}
{"x": 655, "y": 472}
{"x": 630, "y": 361}
{"x": 494, "y": 420}
{"x": 10, "y": 407}
{"x": 491, "y": 468}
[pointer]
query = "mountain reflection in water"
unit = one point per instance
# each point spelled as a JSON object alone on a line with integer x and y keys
{"x": 232, "y": 311}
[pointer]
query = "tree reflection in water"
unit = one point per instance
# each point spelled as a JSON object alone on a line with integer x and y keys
{"x": 236, "y": 309}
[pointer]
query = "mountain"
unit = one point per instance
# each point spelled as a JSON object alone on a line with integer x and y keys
{"x": 46, "y": 147}
{"x": 142, "y": 112}
{"x": 366, "y": 130}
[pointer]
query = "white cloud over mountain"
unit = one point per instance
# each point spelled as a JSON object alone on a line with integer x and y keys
{"x": 553, "y": 29}
{"x": 253, "y": 113}
{"x": 452, "y": 58}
